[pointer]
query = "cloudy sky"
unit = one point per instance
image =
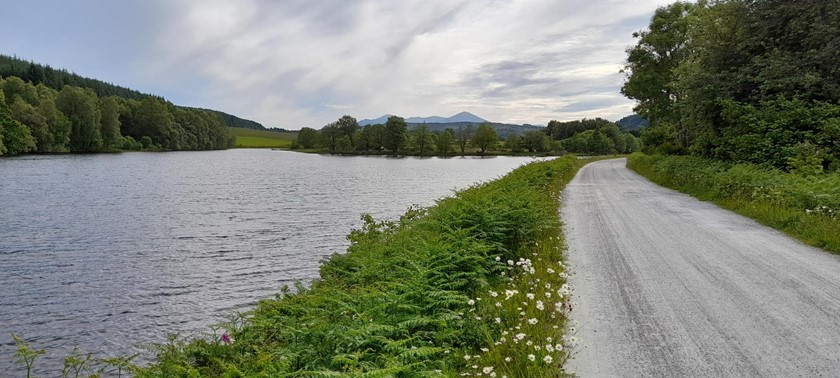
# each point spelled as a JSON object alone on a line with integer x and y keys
{"x": 296, "y": 63}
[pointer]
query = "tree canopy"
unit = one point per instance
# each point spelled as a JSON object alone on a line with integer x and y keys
{"x": 740, "y": 80}
{"x": 36, "y": 118}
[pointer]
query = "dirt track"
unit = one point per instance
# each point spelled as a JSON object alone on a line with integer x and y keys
{"x": 670, "y": 286}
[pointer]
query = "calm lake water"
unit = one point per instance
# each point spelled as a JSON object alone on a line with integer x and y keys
{"x": 109, "y": 252}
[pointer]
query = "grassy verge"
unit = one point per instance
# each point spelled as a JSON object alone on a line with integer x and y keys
{"x": 250, "y": 138}
{"x": 804, "y": 207}
{"x": 474, "y": 285}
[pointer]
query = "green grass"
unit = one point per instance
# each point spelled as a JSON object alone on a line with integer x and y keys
{"x": 804, "y": 207}
{"x": 250, "y": 138}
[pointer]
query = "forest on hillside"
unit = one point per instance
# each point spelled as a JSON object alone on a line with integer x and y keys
{"x": 741, "y": 81}
{"x": 37, "y": 118}
{"x": 58, "y": 78}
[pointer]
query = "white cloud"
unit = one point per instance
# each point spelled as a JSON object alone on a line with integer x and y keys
{"x": 301, "y": 63}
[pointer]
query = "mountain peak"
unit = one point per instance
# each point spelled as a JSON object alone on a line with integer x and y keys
{"x": 466, "y": 117}
{"x": 460, "y": 117}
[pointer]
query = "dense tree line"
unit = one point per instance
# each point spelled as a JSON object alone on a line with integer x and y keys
{"x": 36, "y": 118}
{"x": 741, "y": 80}
{"x": 230, "y": 120}
{"x": 394, "y": 137}
{"x": 58, "y": 78}
{"x": 587, "y": 136}
{"x": 345, "y": 136}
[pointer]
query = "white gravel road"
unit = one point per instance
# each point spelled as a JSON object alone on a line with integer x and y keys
{"x": 670, "y": 286}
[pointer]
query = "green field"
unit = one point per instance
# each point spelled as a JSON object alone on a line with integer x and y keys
{"x": 250, "y": 138}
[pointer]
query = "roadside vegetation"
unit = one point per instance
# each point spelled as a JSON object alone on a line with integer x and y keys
{"x": 743, "y": 99}
{"x": 253, "y": 138}
{"x": 802, "y": 205}
{"x": 473, "y": 286}
{"x": 741, "y": 82}
{"x": 395, "y": 137}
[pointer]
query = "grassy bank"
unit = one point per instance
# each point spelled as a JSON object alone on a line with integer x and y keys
{"x": 250, "y": 138}
{"x": 475, "y": 285}
{"x": 804, "y": 207}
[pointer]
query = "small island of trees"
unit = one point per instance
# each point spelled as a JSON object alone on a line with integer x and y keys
{"x": 396, "y": 137}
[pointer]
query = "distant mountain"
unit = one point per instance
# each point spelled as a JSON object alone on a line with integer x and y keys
{"x": 460, "y": 117}
{"x": 632, "y": 122}
{"x": 502, "y": 129}
{"x": 375, "y": 121}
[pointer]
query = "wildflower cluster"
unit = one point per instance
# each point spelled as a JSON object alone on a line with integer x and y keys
{"x": 822, "y": 210}
{"x": 528, "y": 315}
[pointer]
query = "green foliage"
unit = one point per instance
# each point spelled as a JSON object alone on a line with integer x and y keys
{"x": 109, "y": 108}
{"x": 514, "y": 143}
{"x": 485, "y": 137}
{"x": 26, "y": 356}
{"x": 444, "y": 141}
{"x": 804, "y": 204}
{"x": 58, "y": 123}
{"x": 77, "y": 119}
{"x": 347, "y": 126}
{"x": 463, "y": 136}
{"x": 57, "y": 79}
{"x": 651, "y": 63}
{"x": 400, "y": 301}
{"x": 229, "y": 120}
{"x": 535, "y": 141}
{"x": 740, "y": 81}
{"x": 307, "y": 137}
{"x": 564, "y": 130}
{"x": 39, "y": 128}
{"x": 394, "y": 134}
{"x": 587, "y": 136}
{"x": 15, "y": 138}
{"x": 422, "y": 141}
{"x": 81, "y": 108}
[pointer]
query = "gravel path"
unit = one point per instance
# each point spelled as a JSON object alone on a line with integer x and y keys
{"x": 670, "y": 286}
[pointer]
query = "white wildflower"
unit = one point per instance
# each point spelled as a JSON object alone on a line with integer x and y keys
{"x": 548, "y": 359}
